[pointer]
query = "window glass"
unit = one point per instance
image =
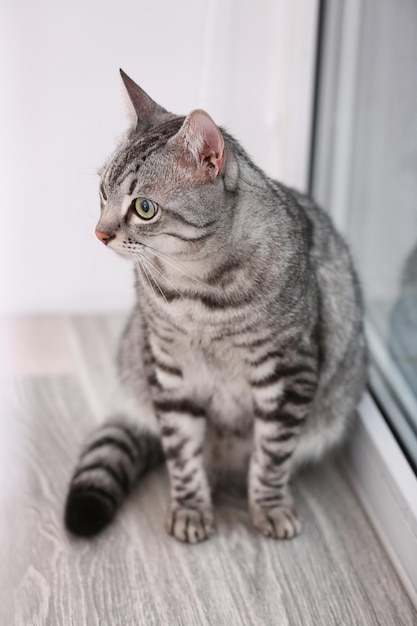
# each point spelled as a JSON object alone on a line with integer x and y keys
{"x": 370, "y": 157}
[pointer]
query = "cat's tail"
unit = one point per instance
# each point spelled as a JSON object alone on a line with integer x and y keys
{"x": 115, "y": 456}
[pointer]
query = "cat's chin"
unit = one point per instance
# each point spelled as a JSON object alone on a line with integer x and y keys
{"x": 125, "y": 254}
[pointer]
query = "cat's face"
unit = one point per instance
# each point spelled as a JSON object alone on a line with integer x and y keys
{"x": 162, "y": 188}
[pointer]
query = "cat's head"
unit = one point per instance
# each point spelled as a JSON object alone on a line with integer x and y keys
{"x": 165, "y": 184}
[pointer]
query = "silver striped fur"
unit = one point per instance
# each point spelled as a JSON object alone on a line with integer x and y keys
{"x": 245, "y": 347}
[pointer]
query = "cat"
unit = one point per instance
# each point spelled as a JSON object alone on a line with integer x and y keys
{"x": 246, "y": 343}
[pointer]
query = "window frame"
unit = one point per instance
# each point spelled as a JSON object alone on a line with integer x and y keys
{"x": 373, "y": 460}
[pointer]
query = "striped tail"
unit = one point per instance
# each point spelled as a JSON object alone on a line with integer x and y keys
{"x": 114, "y": 458}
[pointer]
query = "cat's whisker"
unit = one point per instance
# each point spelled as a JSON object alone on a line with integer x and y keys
{"x": 173, "y": 263}
{"x": 164, "y": 257}
{"x": 141, "y": 266}
{"x": 153, "y": 266}
{"x": 148, "y": 270}
{"x": 137, "y": 264}
{"x": 154, "y": 278}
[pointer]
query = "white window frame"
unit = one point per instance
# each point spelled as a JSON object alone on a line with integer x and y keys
{"x": 374, "y": 462}
{"x": 387, "y": 488}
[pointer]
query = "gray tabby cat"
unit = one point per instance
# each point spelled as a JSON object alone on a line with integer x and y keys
{"x": 246, "y": 342}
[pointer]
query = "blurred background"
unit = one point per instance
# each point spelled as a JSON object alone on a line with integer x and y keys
{"x": 250, "y": 65}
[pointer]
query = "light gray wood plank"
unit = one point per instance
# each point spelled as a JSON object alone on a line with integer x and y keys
{"x": 336, "y": 572}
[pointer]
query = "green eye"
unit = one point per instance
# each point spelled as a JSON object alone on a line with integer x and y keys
{"x": 146, "y": 209}
{"x": 103, "y": 191}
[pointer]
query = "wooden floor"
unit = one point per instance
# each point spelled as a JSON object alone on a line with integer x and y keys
{"x": 57, "y": 385}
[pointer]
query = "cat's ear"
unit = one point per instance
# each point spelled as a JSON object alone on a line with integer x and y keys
{"x": 145, "y": 109}
{"x": 201, "y": 142}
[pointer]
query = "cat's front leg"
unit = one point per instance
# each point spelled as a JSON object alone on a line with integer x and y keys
{"x": 271, "y": 504}
{"x": 276, "y": 433}
{"x": 183, "y": 425}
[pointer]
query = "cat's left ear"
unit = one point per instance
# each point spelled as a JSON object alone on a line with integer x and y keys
{"x": 145, "y": 110}
{"x": 201, "y": 142}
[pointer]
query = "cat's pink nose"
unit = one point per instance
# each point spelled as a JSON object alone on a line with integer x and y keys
{"x": 104, "y": 237}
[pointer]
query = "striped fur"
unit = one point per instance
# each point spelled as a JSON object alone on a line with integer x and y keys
{"x": 246, "y": 344}
{"x": 113, "y": 459}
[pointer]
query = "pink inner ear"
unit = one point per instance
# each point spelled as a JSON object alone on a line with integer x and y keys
{"x": 205, "y": 140}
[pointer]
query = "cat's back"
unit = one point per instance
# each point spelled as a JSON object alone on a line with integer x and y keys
{"x": 340, "y": 293}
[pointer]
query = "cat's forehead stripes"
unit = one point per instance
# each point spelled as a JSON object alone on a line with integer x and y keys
{"x": 130, "y": 159}
{"x": 133, "y": 184}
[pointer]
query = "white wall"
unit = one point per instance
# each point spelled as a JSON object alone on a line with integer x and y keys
{"x": 249, "y": 64}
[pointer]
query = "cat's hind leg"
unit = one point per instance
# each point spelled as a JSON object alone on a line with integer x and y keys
{"x": 114, "y": 457}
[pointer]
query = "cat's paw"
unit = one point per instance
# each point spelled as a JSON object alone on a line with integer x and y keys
{"x": 281, "y": 522}
{"x": 190, "y": 525}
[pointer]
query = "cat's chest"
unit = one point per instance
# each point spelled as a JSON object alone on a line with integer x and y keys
{"x": 216, "y": 373}
{"x": 213, "y": 373}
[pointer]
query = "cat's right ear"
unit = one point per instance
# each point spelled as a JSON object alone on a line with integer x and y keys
{"x": 144, "y": 108}
{"x": 201, "y": 143}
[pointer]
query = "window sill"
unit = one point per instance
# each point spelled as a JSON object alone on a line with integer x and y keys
{"x": 387, "y": 489}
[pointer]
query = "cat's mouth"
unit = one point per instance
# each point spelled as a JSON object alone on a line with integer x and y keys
{"x": 127, "y": 251}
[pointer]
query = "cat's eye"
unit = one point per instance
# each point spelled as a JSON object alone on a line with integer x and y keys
{"x": 103, "y": 191}
{"x": 145, "y": 208}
